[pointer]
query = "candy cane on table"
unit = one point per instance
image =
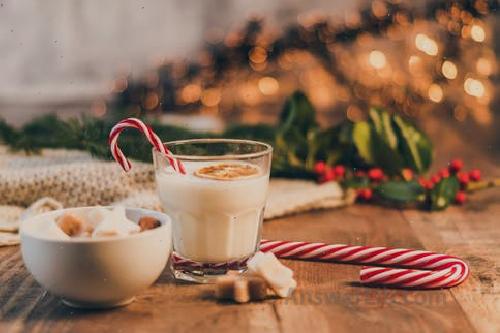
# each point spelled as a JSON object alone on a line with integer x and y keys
{"x": 120, "y": 157}
{"x": 424, "y": 269}
{"x": 419, "y": 269}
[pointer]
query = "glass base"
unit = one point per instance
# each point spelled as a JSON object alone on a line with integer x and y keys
{"x": 191, "y": 271}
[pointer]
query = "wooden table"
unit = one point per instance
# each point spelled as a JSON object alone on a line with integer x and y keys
{"x": 328, "y": 298}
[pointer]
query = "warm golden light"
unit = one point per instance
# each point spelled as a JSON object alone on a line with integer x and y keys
{"x": 257, "y": 55}
{"x": 250, "y": 94}
{"x": 435, "y": 93}
{"x": 426, "y": 44}
{"x": 191, "y": 93}
{"x": 98, "y": 108}
{"x": 377, "y": 59}
{"x": 379, "y": 8}
{"x": 449, "y": 70}
{"x": 151, "y": 101}
{"x": 414, "y": 64}
{"x": 477, "y": 33}
{"x": 484, "y": 66}
{"x": 211, "y": 97}
{"x": 474, "y": 87}
{"x": 268, "y": 85}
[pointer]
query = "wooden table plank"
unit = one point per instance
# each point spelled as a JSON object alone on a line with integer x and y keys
{"x": 472, "y": 233}
{"x": 330, "y": 292}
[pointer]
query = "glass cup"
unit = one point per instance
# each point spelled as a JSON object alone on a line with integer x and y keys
{"x": 217, "y": 207}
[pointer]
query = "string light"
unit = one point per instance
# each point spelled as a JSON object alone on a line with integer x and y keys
{"x": 474, "y": 87}
{"x": 426, "y": 44}
{"x": 257, "y": 55}
{"x": 449, "y": 70}
{"x": 377, "y": 59}
{"x": 151, "y": 101}
{"x": 477, "y": 33}
{"x": 435, "y": 93}
{"x": 191, "y": 93}
{"x": 484, "y": 66}
{"x": 211, "y": 97}
{"x": 414, "y": 64}
{"x": 268, "y": 85}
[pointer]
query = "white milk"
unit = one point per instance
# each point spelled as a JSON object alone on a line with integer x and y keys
{"x": 214, "y": 220}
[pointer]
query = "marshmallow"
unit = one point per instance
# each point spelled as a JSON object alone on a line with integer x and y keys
{"x": 115, "y": 223}
{"x": 278, "y": 276}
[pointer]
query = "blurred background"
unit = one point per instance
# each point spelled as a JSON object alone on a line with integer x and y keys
{"x": 204, "y": 64}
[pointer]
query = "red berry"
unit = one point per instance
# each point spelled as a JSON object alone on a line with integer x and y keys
{"x": 435, "y": 179}
{"x": 463, "y": 178}
{"x": 375, "y": 174}
{"x": 455, "y": 165}
{"x": 339, "y": 171}
{"x": 319, "y": 167}
{"x": 407, "y": 174}
{"x": 460, "y": 198}
{"x": 365, "y": 194}
{"x": 425, "y": 183}
{"x": 475, "y": 175}
{"x": 327, "y": 175}
{"x": 444, "y": 173}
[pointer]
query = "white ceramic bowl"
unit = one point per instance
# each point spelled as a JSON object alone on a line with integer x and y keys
{"x": 97, "y": 273}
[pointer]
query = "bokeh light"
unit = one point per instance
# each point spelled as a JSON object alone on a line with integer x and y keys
{"x": 268, "y": 85}
{"x": 449, "y": 70}
{"x": 435, "y": 93}
{"x": 474, "y": 87}
{"x": 426, "y": 44}
{"x": 377, "y": 59}
{"x": 477, "y": 33}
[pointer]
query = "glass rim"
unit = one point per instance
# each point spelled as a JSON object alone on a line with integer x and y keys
{"x": 268, "y": 149}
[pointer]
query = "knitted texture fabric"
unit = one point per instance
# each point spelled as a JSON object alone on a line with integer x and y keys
{"x": 74, "y": 178}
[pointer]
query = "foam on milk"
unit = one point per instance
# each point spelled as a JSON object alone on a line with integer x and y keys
{"x": 214, "y": 220}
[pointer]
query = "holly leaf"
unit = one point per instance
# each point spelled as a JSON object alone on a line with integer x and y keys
{"x": 400, "y": 193}
{"x": 362, "y": 138}
{"x": 298, "y": 115}
{"x": 384, "y": 142}
{"x": 414, "y": 145}
{"x": 444, "y": 193}
{"x": 295, "y": 139}
{"x": 382, "y": 125}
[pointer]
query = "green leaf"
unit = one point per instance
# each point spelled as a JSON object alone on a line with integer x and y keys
{"x": 384, "y": 142}
{"x": 296, "y": 136}
{"x": 444, "y": 193}
{"x": 382, "y": 125}
{"x": 400, "y": 193}
{"x": 362, "y": 138}
{"x": 298, "y": 115}
{"x": 414, "y": 145}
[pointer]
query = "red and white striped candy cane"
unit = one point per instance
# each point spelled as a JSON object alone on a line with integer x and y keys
{"x": 419, "y": 269}
{"x": 150, "y": 136}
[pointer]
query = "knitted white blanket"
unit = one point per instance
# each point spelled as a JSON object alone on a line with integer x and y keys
{"x": 74, "y": 178}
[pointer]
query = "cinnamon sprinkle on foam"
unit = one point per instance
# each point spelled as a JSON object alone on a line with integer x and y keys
{"x": 228, "y": 171}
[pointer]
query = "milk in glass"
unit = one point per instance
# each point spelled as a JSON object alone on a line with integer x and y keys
{"x": 215, "y": 219}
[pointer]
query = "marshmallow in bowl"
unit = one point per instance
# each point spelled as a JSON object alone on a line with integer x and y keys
{"x": 97, "y": 222}
{"x": 115, "y": 223}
